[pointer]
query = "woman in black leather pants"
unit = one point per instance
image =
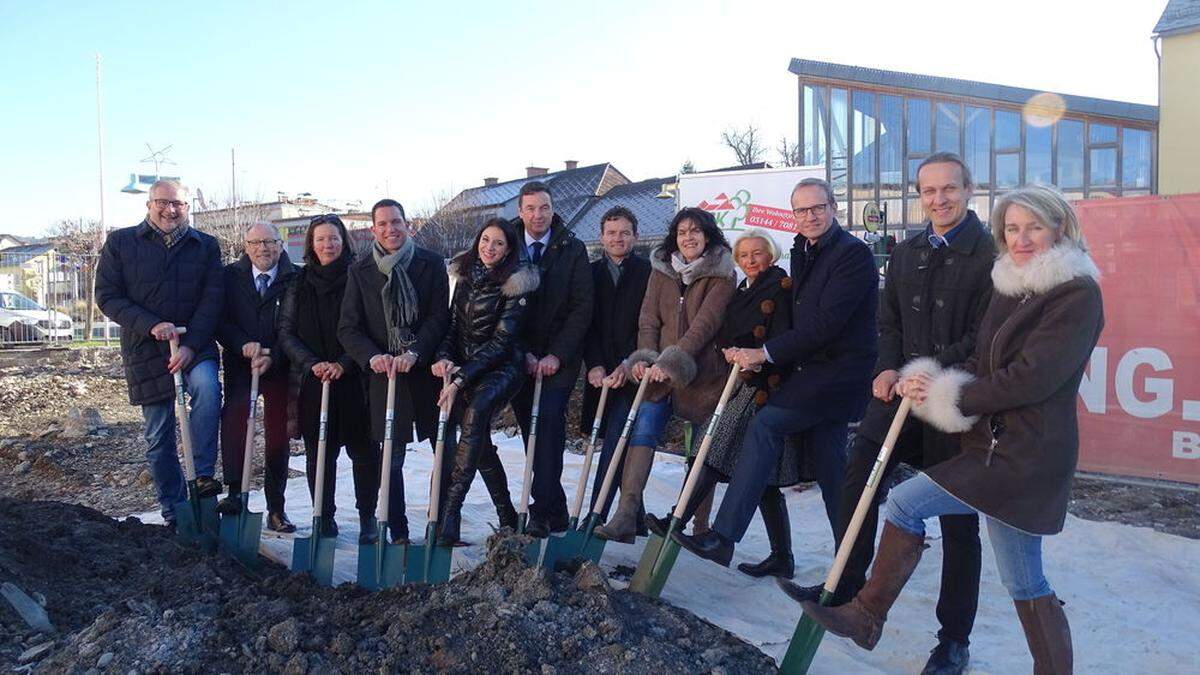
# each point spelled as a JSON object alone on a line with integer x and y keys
{"x": 485, "y": 363}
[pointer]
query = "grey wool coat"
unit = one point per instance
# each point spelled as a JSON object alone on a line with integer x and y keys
{"x": 677, "y": 331}
{"x": 1015, "y": 401}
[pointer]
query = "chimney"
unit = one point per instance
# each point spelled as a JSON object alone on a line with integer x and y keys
{"x": 491, "y": 180}
{"x": 531, "y": 171}
{"x": 571, "y": 164}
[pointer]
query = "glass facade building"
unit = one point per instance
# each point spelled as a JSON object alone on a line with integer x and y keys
{"x": 871, "y": 128}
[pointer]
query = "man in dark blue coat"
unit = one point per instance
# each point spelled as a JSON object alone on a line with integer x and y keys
{"x": 254, "y": 288}
{"x": 153, "y": 278}
{"x": 830, "y": 349}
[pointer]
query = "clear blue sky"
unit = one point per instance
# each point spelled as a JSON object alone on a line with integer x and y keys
{"x": 345, "y": 102}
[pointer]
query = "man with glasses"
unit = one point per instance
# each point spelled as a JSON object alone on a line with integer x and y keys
{"x": 152, "y": 278}
{"x": 830, "y": 350}
{"x": 936, "y": 289}
{"x": 395, "y": 312}
{"x": 254, "y": 288}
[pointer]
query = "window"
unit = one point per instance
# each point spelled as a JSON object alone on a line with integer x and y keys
{"x": 816, "y": 110}
{"x": 1135, "y": 158}
{"x": 948, "y": 126}
{"x": 1101, "y": 133}
{"x": 891, "y": 146}
{"x": 1008, "y": 130}
{"x": 838, "y": 137}
{"x": 1070, "y": 154}
{"x": 918, "y": 127}
{"x": 1008, "y": 170}
{"x": 1103, "y": 164}
{"x": 978, "y": 150}
{"x": 1037, "y": 154}
{"x": 863, "y": 126}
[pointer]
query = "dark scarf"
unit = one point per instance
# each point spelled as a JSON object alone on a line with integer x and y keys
{"x": 324, "y": 287}
{"x": 170, "y": 238}
{"x": 331, "y": 278}
{"x": 745, "y": 310}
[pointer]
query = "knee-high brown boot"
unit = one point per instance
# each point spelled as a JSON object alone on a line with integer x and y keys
{"x": 862, "y": 618}
{"x": 1047, "y": 633}
{"x": 623, "y": 526}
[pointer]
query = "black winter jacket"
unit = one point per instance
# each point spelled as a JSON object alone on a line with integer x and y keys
{"x": 141, "y": 283}
{"x": 933, "y": 301}
{"x": 614, "y": 328}
{"x": 363, "y": 332}
{"x": 485, "y": 317}
{"x": 560, "y": 311}
{"x": 250, "y": 317}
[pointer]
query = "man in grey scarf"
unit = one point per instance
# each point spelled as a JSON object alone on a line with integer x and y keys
{"x": 394, "y": 314}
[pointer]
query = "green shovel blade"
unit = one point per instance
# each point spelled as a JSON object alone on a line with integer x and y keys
{"x": 197, "y": 521}
{"x": 565, "y": 547}
{"x": 658, "y": 559}
{"x": 381, "y": 565}
{"x": 314, "y": 554}
{"x": 240, "y": 534}
{"x": 805, "y": 641}
{"x": 593, "y": 546}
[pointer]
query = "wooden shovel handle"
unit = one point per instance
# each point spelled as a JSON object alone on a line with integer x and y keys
{"x": 250, "y": 424}
{"x": 615, "y": 460}
{"x": 439, "y": 456}
{"x": 868, "y": 494}
{"x": 181, "y": 411}
{"x": 587, "y": 457}
{"x": 319, "y": 481}
{"x": 531, "y": 445}
{"x": 698, "y": 464}
{"x": 385, "y": 466}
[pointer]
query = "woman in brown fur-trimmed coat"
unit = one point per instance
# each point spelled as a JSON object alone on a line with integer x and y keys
{"x": 691, "y": 282}
{"x": 1015, "y": 404}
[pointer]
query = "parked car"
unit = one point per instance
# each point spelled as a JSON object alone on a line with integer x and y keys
{"x": 23, "y": 320}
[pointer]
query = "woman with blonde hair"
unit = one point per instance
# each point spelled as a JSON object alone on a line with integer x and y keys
{"x": 1015, "y": 404}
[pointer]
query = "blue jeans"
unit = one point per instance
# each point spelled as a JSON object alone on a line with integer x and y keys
{"x": 619, "y": 402}
{"x": 204, "y": 390}
{"x": 1018, "y": 554}
{"x": 652, "y": 418}
{"x": 761, "y": 450}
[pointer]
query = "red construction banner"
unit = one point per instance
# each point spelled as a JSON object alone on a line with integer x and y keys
{"x": 1139, "y": 402}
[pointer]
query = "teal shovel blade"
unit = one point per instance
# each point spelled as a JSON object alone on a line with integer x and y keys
{"x": 805, "y": 641}
{"x": 240, "y": 536}
{"x": 381, "y": 565}
{"x": 197, "y": 521}
{"x": 314, "y": 554}
{"x": 593, "y": 546}
{"x": 563, "y": 548}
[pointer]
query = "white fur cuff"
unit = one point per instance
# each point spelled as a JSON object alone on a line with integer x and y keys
{"x": 926, "y": 364}
{"x": 941, "y": 405}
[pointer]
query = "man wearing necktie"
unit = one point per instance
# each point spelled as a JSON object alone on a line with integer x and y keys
{"x": 553, "y": 333}
{"x": 254, "y": 287}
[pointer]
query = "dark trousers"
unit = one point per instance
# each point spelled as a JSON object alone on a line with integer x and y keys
{"x": 761, "y": 449}
{"x": 234, "y": 418}
{"x": 366, "y": 457}
{"x": 549, "y": 499}
{"x": 959, "y": 596}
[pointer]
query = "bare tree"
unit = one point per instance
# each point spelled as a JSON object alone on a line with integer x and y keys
{"x": 789, "y": 153}
{"x": 745, "y": 143}
{"x": 687, "y": 167}
{"x": 447, "y": 223}
{"x": 227, "y": 220}
{"x": 78, "y": 244}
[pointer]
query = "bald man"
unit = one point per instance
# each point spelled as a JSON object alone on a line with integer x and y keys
{"x": 254, "y": 288}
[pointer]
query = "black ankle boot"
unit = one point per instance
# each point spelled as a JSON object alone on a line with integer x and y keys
{"x": 507, "y": 515}
{"x": 399, "y": 530}
{"x": 450, "y": 529}
{"x": 777, "y": 564}
{"x": 368, "y": 532}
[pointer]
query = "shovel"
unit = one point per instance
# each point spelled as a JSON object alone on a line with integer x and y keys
{"x": 430, "y": 562}
{"x": 196, "y": 519}
{"x": 533, "y": 550}
{"x": 240, "y": 534}
{"x": 381, "y": 565}
{"x": 658, "y": 558}
{"x": 570, "y": 544}
{"x": 314, "y": 553}
{"x": 593, "y": 547}
{"x": 808, "y": 634}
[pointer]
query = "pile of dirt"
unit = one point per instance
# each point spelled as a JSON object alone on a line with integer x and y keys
{"x": 126, "y": 597}
{"x": 1166, "y": 508}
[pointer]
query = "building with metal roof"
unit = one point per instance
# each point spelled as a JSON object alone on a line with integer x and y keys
{"x": 871, "y": 129}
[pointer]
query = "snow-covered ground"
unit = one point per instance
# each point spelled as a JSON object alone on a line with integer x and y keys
{"x": 1132, "y": 594}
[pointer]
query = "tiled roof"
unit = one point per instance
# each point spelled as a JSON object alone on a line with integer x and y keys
{"x": 564, "y": 185}
{"x": 955, "y": 87}
{"x": 1180, "y": 16}
{"x": 653, "y": 214}
{"x": 29, "y": 249}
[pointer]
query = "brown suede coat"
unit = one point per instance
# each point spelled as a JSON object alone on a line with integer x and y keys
{"x": 1016, "y": 404}
{"x": 677, "y": 329}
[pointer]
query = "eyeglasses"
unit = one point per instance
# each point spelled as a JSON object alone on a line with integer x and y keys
{"x": 255, "y": 243}
{"x": 817, "y": 210}
{"x": 164, "y": 203}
